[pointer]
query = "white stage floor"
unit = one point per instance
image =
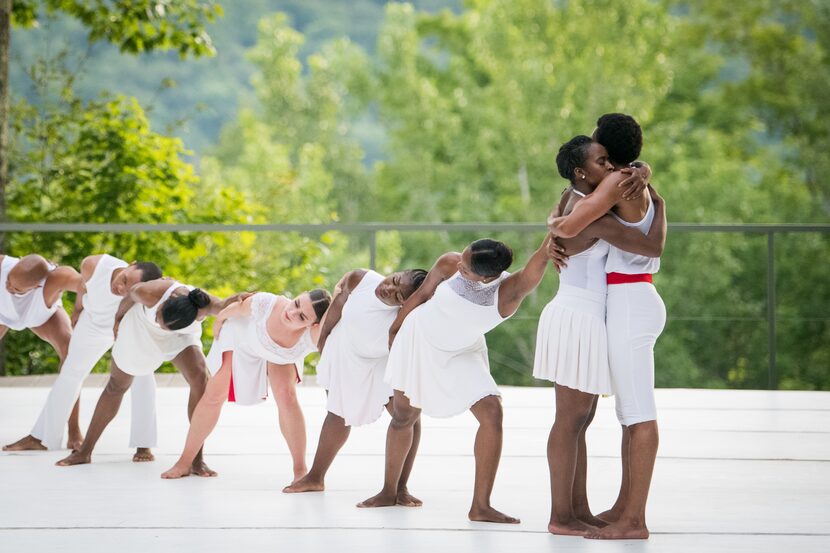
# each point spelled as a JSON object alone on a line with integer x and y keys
{"x": 737, "y": 471}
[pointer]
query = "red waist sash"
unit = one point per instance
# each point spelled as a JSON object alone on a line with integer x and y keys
{"x": 622, "y": 278}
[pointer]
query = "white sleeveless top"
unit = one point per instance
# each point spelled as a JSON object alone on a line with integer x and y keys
{"x": 366, "y": 320}
{"x": 150, "y": 312}
{"x": 621, "y": 261}
{"x": 28, "y": 310}
{"x": 586, "y": 269}
{"x": 99, "y": 302}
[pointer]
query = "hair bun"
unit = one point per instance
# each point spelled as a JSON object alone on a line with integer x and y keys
{"x": 199, "y": 298}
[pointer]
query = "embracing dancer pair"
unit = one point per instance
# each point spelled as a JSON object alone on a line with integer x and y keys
{"x": 597, "y": 335}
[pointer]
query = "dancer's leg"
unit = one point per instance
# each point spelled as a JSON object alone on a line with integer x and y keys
{"x": 400, "y": 439}
{"x": 57, "y": 331}
{"x": 488, "y": 444}
{"x": 333, "y": 436}
{"x": 573, "y": 409}
{"x": 86, "y": 347}
{"x": 644, "y": 441}
{"x": 581, "y": 507}
{"x": 283, "y": 379}
{"x": 204, "y": 418}
{"x": 613, "y": 514}
{"x": 106, "y": 409}
{"x": 191, "y": 363}
{"x": 405, "y": 498}
{"x": 143, "y": 427}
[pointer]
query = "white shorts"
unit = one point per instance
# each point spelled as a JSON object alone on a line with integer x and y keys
{"x": 636, "y": 315}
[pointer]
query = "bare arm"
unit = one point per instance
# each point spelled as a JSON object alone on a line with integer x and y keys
{"x": 64, "y": 278}
{"x": 344, "y": 288}
{"x": 444, "y": 268}
{"x": 236, "y": 309}
{"x": 588, "y": 210}
{"x": 631, "y": 239}
{"x": 514, "y": 289}
{"x": 87, "y": 269}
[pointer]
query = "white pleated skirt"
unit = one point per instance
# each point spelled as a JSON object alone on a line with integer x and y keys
{"x": 571, "y": 341}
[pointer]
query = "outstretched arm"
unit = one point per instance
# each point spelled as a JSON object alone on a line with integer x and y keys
{"x": 631, "y": 239}
{"x": 444, "y": 268}
{"x": 236, "y": 309}
{"x": 341, "y": 293}
{"x": 64, "y": 278}
{"x": 588, "y": 210}
{"x": 87, "y": 270}
{"x": 514, "y": 289}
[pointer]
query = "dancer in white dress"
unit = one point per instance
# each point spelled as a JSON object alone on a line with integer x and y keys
{"x": 30, "y": 294}
{"x": 635, "y": 318}
{"x": 354, "y": 347}
{"x": 105, "y": 282}
{"x": 571, "y": 344}
{"x": 158, "y": 321}
{"x": 265, "y": 337}
{"x": 438, "y": 360}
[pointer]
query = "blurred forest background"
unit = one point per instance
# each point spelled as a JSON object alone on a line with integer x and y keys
{"x": 321, "y": 111}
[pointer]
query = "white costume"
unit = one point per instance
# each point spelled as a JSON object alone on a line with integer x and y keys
{"x": 571, "y": 342}
{"x": 28, "y": 310}
{"x": 353, "y": 361}
{"x": 636, "y": 316}
{"x": 142, "y": 345}
{"x": 439, "y": 356}
{"x": 91, "y": 338}
{"x": 247, "y": 337}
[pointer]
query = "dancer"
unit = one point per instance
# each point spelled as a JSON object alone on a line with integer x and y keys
{"x": 157, "y": 321}
{"x": 30, "y": 293}
{"x": 265, "y": 337}
{"x": 571, "y": 344}
{"x": 438, "y": 362}
{"x": 353, "y": 352}
{"x": 635, "y": 317}
{"x": 105, "y": 280}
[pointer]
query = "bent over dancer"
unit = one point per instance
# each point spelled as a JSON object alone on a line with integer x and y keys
{"x": 158, "y": 321}
{"x": 30, "y": 293}
{"x": 354, "y": 348}
{"x": 438, "y": 362}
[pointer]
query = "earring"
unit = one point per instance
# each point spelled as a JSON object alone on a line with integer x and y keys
{"x": 583, "y": 177}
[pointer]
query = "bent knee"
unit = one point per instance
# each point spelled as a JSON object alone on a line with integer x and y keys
{"x": 489, "y": 411}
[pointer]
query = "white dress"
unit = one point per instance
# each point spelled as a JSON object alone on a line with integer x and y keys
{"x": 142, "y": 345}
{"x": 353, "y": 361}
{"x": 247, "y": 337}
{"x": 571, "y": 341}
{"x": 23, "y": 311}
{"x": 439, "y": 356}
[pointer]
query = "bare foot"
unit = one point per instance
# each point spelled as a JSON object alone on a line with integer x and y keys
{"x": 571, "y": 527}
{"x": 383, "y": 499}
{"x": 29, "y": 443}
{"x": 609, "y": 516}
{"x": 406, "y": 499}
{"x": 176, "y": 472}
{"x": 620, "y": 531}
{"x": 76, "y": 458}
{"x": 590, "y": 520}
{"x": 143, "y": 455}
{"x": 305, "y": 484}
{"x": 199, "y": 468}
{"x": 489, "y": 514}
{"x": 299, "y": 474}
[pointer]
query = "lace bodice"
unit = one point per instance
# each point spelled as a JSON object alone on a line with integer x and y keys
{"x": 475, "y": 292}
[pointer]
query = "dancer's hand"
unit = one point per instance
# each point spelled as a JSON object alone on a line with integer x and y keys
{"x": 635, "y": 183}
{"x": 556, "y": 254}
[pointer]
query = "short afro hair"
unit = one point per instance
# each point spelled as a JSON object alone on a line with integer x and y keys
{"x": 572, "y": 154}
{"x": 622, "y": 137}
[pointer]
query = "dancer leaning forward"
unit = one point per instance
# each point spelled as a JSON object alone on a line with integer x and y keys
{"x": 158, "y": 321}
{"x": 354, "y": 348}
{"x": 438, "y": 361}
{"x": 102, "y": 284}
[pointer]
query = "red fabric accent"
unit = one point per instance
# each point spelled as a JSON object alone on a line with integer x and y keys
{"x": 231, "y": 394}
{"x": 621, "y": 278}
